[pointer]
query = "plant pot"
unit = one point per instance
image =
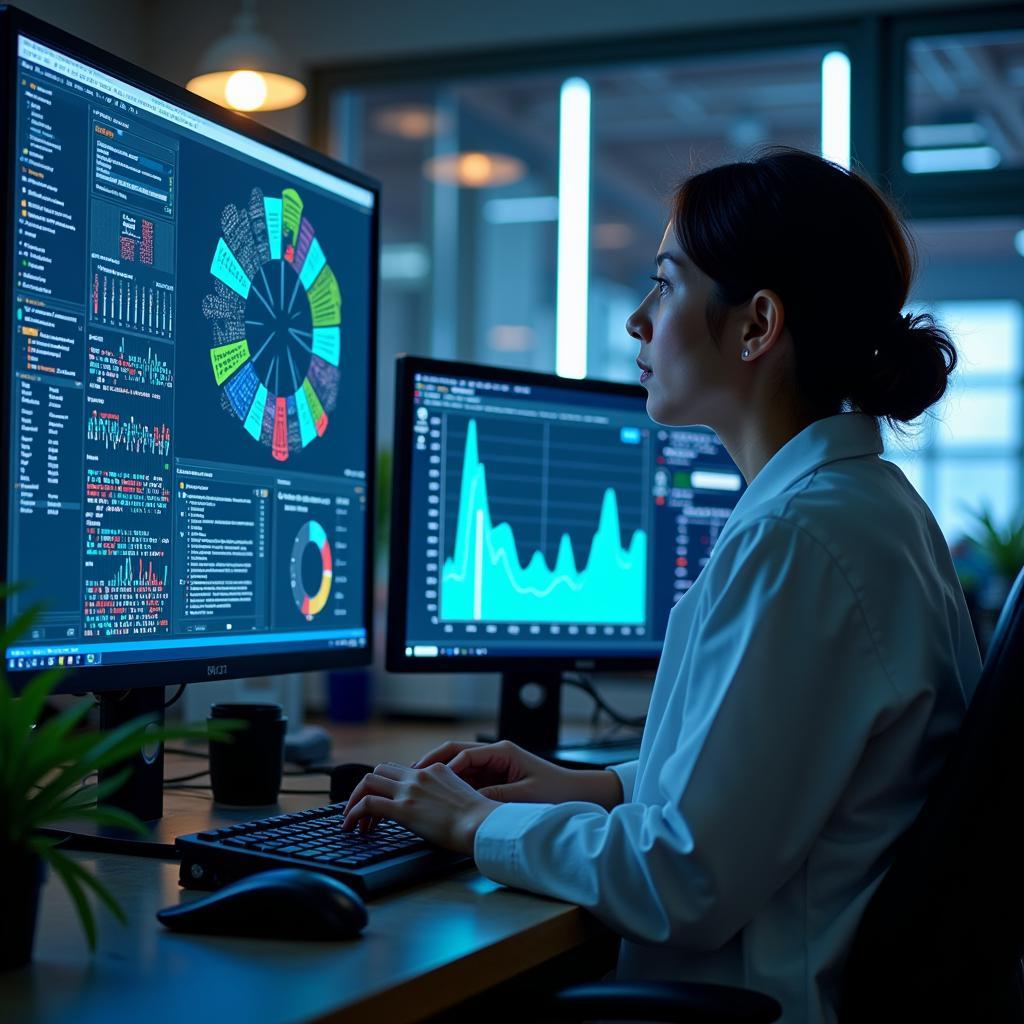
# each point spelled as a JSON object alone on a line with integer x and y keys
{"x": 23, "y": 873}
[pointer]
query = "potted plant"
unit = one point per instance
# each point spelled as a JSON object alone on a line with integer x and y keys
{"x": 1002, "y": 547}
{"x": 45, "y": 769}
{"x": 1000, "y": 558}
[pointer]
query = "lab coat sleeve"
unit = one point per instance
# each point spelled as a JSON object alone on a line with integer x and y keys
{"x": 627, "y": 777}
{"x": 783, "y": 689}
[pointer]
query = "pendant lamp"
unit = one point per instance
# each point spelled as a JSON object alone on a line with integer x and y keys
{"x": 246, "y": 70}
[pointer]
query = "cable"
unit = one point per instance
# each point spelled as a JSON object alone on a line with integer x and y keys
{"x": 180, "y": 783}
{"x": 177, "y": 696}
{"x": 581, "y": 682}
{"x": 185, "y": 778}
{"x": 313, "y": 769}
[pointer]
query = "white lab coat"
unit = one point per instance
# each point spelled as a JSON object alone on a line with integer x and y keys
{"x": 809, "y": 685}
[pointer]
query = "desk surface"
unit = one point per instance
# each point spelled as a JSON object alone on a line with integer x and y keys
{"x": 425, "y": 948}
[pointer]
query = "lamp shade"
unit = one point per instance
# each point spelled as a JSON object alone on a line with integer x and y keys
{"x": 246, "y": 70}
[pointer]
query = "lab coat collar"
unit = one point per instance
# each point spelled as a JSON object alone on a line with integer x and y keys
{"x": 844, "y": 436}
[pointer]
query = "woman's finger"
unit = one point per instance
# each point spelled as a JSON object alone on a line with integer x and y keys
{"x": 373, "y": 784}
{"x": 369, "y": 807}
{"x": 476, "y": 759}
{"x": 445, "y": 752}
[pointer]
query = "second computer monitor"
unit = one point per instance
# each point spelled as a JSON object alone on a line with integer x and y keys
{"x": 542, "y": 522}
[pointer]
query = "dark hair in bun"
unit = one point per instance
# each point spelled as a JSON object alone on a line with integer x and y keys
{"x": 840, "y": 258}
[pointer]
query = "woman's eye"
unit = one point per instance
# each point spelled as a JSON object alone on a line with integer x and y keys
{"x": 661, "y": 283}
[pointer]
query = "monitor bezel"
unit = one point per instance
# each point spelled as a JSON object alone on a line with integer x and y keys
{"x": 103, "y": 678}
{"x": 406, "y": 367}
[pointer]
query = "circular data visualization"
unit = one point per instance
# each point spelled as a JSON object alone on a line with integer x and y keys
{"x": 275, "y": 314}
{"x": 312, "y": 534}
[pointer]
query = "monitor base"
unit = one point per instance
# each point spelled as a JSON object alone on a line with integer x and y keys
{"x": 530, "y": 709}
{"x": 142, "y": 794}
{"x": 88, "y": 836}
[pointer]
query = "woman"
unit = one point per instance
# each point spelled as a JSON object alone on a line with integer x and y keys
{"x": 814, "y": 674}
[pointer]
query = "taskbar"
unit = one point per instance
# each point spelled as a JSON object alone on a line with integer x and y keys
{"x": 640, "y": 649}
{"x": 31, "y": 658}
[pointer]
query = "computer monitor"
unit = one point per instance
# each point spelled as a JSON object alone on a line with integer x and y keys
{"x": 541, "y": 524}
{"x": 188, "y": 381}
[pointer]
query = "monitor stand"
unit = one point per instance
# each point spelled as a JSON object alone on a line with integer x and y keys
{"x": 530, "y": 713}
{"x": 142, "y": 794}
{"x": 530, "y": 709}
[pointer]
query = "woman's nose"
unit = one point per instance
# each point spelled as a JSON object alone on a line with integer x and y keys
{"x": 638, "y": 326}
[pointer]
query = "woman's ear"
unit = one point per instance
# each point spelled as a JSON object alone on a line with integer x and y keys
{"x": 763, "y": 324}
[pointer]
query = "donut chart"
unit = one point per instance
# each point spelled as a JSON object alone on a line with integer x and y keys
{"x": 275, "y": 317}
{"x": 311, "y": 533}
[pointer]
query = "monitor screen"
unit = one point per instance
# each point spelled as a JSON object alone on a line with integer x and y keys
{"x": 189, "y": 375}
{"x": 540, "y": 520}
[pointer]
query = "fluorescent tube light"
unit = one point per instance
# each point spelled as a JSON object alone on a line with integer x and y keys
{"x": 959, "y": 158}
{"x": 573, "y": 278}
{"x": 835, "y": 108}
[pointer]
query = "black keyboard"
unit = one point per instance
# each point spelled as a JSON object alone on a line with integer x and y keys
{"x": 387, "y": 858}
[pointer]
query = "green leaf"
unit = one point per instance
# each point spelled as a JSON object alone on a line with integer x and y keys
{"x": 88, "y": 795}
{"x": 40, "y": 844}
{"x": 112, "y": 748}
{"x": 20, "y": 624}
{"x": 22, "y": 786}
{"x": 6, "y": 733}
{"x": 107, "y": 815}
{"x": 30, "y": 703}
{"x": 64, "y": 867}
{"x": 89, "y": 760}
{"x": 47, "y": 749}
{"x": 23, "y": 713}
{"x": 1002, "y": 546}
{"x": 101, "y": 891}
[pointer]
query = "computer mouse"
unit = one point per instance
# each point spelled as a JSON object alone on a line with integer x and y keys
{"x": 285, "y": 903}
{"x": 345, "y": 778}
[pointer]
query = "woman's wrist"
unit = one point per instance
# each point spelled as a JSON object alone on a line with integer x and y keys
{"x": 465, "y": 837}
{"x": 603, "y": 787}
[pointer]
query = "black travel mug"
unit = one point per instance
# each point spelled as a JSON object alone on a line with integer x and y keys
{"x": 246, "y": 769}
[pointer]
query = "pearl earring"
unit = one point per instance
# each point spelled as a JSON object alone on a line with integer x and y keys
{"x": 745, "y": 353}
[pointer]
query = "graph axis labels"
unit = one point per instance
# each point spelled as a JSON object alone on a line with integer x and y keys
{"x": 275, "y": 320}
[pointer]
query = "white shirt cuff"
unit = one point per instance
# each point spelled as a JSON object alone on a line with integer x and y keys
{"x": 627, "y": 776}
{"x": 496, "y": 847}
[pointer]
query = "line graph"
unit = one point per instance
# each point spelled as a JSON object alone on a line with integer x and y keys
{"x": 487, "y": 579}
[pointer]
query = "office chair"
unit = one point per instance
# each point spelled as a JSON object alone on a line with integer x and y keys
{"x": 942, "y": 937}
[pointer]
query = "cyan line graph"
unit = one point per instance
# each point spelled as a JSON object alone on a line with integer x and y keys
{"x": 486, "y": 580}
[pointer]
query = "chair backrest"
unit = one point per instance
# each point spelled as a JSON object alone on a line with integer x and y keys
{"x": 943, "y": 934}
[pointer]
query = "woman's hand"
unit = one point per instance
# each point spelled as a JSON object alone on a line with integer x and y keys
{"x": 505, "y": 772}
{"x": 433, "y": 802}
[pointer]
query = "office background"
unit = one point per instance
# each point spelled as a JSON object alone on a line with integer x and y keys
{"x": 469, "y": 261}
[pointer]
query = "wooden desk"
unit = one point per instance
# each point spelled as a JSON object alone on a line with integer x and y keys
{"x": 424, "y": 950}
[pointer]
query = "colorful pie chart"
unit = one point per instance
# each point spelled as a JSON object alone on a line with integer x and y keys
{"x": 310, "y": 605}
{"x": 275, "y": 317}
